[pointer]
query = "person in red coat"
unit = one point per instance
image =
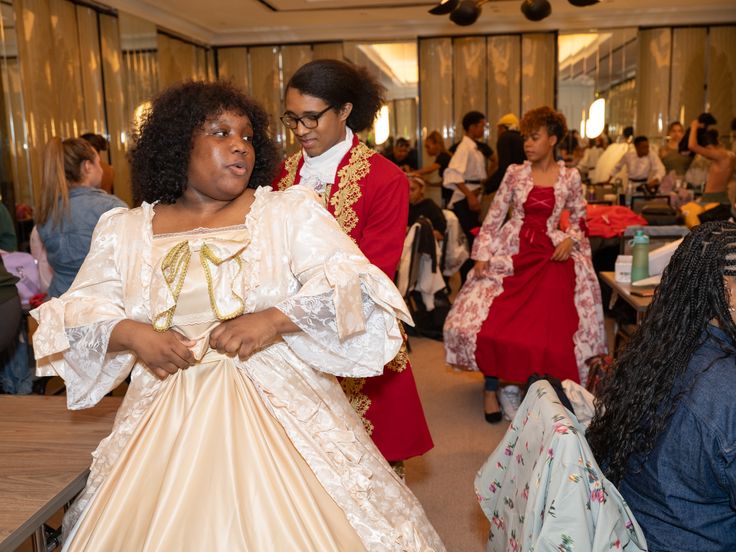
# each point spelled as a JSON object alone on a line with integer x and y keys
{"x": 327, "y": 102}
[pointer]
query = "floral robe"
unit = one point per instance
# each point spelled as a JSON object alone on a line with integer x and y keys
{"x": 498, "y": 242}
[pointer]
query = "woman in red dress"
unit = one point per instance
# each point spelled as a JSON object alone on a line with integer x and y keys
{"x": 533, "y": 304}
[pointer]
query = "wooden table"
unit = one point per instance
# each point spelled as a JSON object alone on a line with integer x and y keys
{"x": 44, "y": 459}
{"x": 620, "y": 289}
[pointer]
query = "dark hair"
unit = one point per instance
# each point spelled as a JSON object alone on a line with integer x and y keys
{"x": 546, "y": 117}
{"x": 337, "y": 83}
{"x": 733, "y": 124}
{"x": 159, "y": 159}
{"x": 98, "y": 141}
{"x": 710, "y": 137}
{"x": 707, "y": 119}
{"x": 640, "y": 139}
{"x": 638, "y": 397}
{"x": 628, "y": 131}
{"x": 402, "y": 142}
{"x": 472, "y": 118}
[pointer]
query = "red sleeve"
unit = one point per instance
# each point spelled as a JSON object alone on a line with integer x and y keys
{"x": 387, "y": 213}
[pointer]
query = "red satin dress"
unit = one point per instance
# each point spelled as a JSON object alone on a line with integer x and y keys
{"x": 530, "y": 325}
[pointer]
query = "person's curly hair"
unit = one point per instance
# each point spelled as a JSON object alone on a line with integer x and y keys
{"x": 639, "y": 395}
{"x": 339, "y": 82}
{"x": 546, "y": 117}
{"x": 159, "y": 159}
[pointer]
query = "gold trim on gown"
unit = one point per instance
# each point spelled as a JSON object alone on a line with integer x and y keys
{"x": 208, "y": 449}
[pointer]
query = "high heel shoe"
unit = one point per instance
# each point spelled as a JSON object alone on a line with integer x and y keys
{"x": 493, "y": 417}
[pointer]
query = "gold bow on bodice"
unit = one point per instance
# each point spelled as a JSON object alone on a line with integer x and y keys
{"x": 214, "y": 258}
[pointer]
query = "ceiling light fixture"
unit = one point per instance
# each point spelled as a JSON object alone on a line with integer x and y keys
{"x": 467, "y": 12}
{"x": 536, "y": 10}
{"x": 444, "y": 7}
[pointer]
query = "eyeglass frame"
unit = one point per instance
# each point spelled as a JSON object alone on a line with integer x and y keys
{"x": 312, "y": 116}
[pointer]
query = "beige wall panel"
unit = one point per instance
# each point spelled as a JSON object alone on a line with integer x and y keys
{"x": 66, "y": 68}
{"x": 620, "y": 107}
{"x": 39, "y": 96}
{"x": 722, "y": 76}
{"x": 292, "y": 58}
{"x": 177, "y": 61}
{"x": 266, "y": 86}
{"x": 504, "y": 77}
{"x": 406, "y": 119}
{"x": 118, "y": 124}
{"x": 232, "y": 65}
{"x": 538, "y": 70}
{"x": 687, "y": 94}
{"x": 435, "y": 90}
{"x": 92, "y": 95}
{"x": 469, "y": 78}
{"x": 20, "y": 163}
{"x": 328, "y": 50}
{"x": 200, "y": 63}
{"x": 211, "y": 65}
{"x": 653, "y": 81}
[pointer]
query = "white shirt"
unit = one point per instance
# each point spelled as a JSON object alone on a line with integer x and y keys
{"x": 466, "y": 164}
{"x": 318, "y": 172}
{"x": 640, "y": 168}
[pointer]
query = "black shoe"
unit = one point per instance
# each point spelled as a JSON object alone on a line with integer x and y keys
{"x": 493, "y": 417}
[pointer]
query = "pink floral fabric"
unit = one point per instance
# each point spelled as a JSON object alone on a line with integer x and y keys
{"x": 542, "y": 489}
{"x": 498, "y": 242}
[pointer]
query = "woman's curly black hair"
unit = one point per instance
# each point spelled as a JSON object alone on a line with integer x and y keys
{"x": 337, "y": 83}
{"x": 159, "y": 159}
{"x": 641, "y": 393}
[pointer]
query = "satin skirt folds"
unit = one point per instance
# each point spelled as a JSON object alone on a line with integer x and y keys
{"x": 531, "y": 324}
{"x": 209, "y": 468}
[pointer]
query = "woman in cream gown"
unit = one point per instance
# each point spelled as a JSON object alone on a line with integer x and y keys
{"x": 250, "y": 446}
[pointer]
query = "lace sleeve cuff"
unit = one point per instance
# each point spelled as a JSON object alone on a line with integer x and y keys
{"x": 361, "y": 354}
{"x": 88, "y": 371}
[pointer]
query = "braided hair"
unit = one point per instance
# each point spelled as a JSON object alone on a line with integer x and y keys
{"x": 638, "y": 396}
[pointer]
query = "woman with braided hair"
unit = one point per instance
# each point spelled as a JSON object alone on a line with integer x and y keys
{"x": 665, "y": 424}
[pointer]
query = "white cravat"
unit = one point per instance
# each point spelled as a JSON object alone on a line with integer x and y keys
{"x": 318, "y": 172}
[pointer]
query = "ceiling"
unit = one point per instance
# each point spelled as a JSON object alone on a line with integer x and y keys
{"x": 231, "y": 22}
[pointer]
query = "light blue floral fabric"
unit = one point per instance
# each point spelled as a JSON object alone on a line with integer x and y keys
{"x": 543, "y": 491}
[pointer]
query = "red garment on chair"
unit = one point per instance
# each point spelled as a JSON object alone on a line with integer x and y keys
{"x": 530, "y": 325}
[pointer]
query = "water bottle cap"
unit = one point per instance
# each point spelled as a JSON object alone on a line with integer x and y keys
{"x": 640, "y": 237}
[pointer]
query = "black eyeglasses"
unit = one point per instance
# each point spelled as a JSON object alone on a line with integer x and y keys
{"x": 308, "y": 121}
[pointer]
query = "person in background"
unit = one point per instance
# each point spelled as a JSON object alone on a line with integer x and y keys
{"x": 420, "y": 206}
{"x": 10, "y": 309}
{"x": 465, "y": 176}
{"x": 643, "y": 167}
{"x": 101, "y": 144}
{"x": 570, "y": 148}
{"x": 8, "y": 239}
{"x": 664, "y": 430}
{"x": 509, "y": 149}
{"x": 590, "y": 158}
{"x": 327, "y": 103}
{"x": 532, "y": 303}
{"x": 722, "y": 162}
{"x": 669, "y": 153}
{"x": 71, "y": 204}
{"x": 435, "y": 147}
{"x": 403, "y": 155}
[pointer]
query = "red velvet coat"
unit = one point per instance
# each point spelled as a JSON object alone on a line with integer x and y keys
{"x": 370, "y": 200}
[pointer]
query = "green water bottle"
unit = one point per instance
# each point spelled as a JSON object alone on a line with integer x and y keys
{"x": 640, "y": 261}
